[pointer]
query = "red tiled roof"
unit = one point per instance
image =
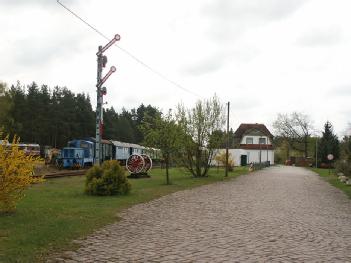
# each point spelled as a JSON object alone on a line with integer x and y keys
{"x": 244, "y": 127}
{"x": 256, "y": 146}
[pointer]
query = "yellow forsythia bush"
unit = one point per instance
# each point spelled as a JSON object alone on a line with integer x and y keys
{"x": 221, "y": 159}
{"x": 16, "y": 170}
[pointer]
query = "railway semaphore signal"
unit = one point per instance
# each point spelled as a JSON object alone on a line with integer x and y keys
{"x": 101, "y": 91}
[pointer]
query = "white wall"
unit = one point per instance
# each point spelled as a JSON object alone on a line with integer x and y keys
{"x": 252, "y": 156}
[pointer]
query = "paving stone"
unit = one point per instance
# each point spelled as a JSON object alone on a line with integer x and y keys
{"x": 279, "y": 214}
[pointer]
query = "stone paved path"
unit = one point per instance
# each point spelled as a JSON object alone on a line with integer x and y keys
{"x": 280, "y": 214}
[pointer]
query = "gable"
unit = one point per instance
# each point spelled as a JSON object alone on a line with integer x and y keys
{"x": 248, "y": 127}
{"x": 254, "y": 132}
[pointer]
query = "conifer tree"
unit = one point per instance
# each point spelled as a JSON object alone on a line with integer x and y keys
{"x": 328, "y": 144}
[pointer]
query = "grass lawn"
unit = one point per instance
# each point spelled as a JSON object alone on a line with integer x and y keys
{"x": 333, "y": 180}
{"x": 57, "y": 211}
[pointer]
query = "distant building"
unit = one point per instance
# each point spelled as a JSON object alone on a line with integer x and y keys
{"x": 252, "y": 144}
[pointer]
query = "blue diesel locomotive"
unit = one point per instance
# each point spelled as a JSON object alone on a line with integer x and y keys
{"x": 71, "y": 158}
{"x": 81, "y": 152}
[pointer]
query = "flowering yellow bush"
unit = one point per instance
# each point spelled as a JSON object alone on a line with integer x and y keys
{"x": 221, "y": 159}
{"x": 16, "y": 170}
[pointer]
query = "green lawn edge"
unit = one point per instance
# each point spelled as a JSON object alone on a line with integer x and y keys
{"x": 55, "y": 213}
{"x": 333, "y": 179}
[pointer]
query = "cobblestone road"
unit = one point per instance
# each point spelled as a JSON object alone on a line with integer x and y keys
{"x": 280, "y": 214}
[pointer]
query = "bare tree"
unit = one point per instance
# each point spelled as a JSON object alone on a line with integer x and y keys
{"x": 295, "y": 128}
{"x": 198, "y": 124}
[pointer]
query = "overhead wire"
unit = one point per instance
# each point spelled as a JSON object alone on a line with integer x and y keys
{"x": 129, "y": 53}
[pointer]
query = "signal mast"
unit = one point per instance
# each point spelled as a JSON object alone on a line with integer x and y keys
{"x": 101, "y": 91}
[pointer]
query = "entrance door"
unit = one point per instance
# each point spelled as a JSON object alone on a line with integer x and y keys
{"x": 243, "y": 160}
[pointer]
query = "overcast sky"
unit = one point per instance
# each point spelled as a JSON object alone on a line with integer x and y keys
{"x": 264, "y": 56}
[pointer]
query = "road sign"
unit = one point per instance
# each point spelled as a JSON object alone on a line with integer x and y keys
{"x": 330, "y": 157}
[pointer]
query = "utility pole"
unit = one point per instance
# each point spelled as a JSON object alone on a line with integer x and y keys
{"x": 227, "y": 146}
{"x": 260, "y": 149}
{"x": 101, "y": 91}
{"x": 316, "y": 152}
{"x": 267, "y": 149}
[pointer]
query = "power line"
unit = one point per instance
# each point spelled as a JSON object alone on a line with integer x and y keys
{"x": 128, "y": 53}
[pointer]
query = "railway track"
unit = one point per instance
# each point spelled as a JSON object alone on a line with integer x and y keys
{"x": 65, "y": 173}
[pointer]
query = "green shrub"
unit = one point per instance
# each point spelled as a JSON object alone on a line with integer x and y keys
{"x": 344, "y": 167}
{"x": 107, "y": 179}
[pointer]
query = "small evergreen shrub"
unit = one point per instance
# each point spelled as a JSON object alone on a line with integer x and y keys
{"x": 107, "y": 179}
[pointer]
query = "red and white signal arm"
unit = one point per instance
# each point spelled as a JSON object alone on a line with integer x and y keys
{"x": 330, "y": 157}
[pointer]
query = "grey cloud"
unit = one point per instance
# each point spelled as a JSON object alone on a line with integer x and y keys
{"x": 347, "y": 131}
{"x": 19, "y": 3}
{"x": 25, "y": 4}
{"x": 51, "y": 5}
{"x": 232, "y": 18}
{"x": 244, "y": 104}
{"x": 340, "y": 91}
{"x": 220, "y": 59}
{"x": 131, "y": 101}
{"x": 205, "y": 66}
{"x": 321, "y": 37}
{"x": 253, "y": 9}
{"x": 37, "y": 52}
{"x": 345, "y": 128}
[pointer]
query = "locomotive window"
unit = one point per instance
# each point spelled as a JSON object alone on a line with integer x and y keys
{"x": 73, "y": 144}
{"x": 68, "y": 153}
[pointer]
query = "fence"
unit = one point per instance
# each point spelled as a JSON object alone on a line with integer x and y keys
{"x": 259, "y": 166}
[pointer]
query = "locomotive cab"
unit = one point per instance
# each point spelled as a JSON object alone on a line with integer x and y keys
{"x": 72, "y": 157}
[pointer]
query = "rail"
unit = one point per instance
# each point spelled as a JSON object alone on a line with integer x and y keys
{"x": 63, "y": 174}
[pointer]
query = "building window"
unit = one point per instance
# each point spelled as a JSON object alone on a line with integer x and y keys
{"x": 249, "y": 140}
{"x": 262, "y": 141}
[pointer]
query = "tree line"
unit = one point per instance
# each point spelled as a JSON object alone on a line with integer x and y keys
{"x": 55, "y": 116}
{"x": 296, "y": 135}
{"x": 39, "y": 114}
{"x": 188, "y": 136}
